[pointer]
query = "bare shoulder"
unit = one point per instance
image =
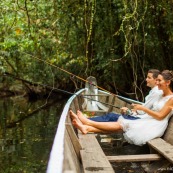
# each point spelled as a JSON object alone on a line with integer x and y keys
{"x": 171, "y": 98}
{"x": 170, "y": 101}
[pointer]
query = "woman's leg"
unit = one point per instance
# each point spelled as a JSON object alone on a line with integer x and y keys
{"x": 103, "y": 126}
{"x": 85, "y": 128}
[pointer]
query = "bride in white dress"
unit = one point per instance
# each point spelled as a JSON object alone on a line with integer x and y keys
{"x": 138, "y": 131}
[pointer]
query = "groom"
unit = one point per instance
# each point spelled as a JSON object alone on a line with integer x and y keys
{"x": 153, "y": 95}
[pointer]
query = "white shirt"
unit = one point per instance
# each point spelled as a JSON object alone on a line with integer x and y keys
{"x": 150, "y": 99}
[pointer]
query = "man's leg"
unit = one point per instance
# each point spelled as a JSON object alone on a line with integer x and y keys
{"x": 110, "y": 117}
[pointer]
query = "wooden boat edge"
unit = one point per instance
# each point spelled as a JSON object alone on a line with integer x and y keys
{"x": 55, "y": 163}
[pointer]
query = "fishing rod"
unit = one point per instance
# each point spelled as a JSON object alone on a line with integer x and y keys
{"x": 120, "y": 97}
{"x": 85, "y": 96}
{"x": 59, "y": 90}
{"x": 78, "y": 77}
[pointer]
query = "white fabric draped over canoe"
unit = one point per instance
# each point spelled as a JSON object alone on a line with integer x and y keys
{"x": 91, "y": 96}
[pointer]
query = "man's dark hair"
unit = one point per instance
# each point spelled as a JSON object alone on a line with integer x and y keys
{"x": 155, "y": 72}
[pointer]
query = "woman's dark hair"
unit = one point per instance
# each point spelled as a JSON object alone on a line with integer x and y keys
{"x": 155, "y": 72}
{"x": 168, "y": 75}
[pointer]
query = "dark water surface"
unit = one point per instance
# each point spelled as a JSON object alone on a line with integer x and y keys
{"x": 25, "y": 145}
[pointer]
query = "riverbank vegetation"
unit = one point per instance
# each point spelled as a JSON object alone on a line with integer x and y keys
{"x": 115, "y": 41}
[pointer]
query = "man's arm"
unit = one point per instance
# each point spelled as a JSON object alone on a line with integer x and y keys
{"x": 150, "y": 99}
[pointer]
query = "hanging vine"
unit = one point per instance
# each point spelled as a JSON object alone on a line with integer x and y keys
{"x": 130, "y": 29}
{"x": 89, "y": 29}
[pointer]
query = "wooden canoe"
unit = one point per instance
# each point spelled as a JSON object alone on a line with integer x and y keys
{"x": 73, "y": 152}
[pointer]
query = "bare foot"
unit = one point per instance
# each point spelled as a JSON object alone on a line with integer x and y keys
{"x": 80, "y": 126}
{"x": 73, "y": 115}
{"x": 77, "y": 120}
{"x": 82, "y": 118}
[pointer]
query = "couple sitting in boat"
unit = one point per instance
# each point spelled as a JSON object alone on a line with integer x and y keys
{"x": 148, "y": 121}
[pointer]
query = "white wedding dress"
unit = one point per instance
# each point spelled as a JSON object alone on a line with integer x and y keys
{"x": 140, "y": 131}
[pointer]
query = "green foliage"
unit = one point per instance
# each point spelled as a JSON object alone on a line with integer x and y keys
{"x": 111, "y": 40}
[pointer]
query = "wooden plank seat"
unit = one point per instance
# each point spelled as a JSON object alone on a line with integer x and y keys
{"x": 134, "y": 158}
{"x": 164, "y": 145}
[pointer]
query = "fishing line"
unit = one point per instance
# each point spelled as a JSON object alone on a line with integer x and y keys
{"x": 78, "y": 77}
{"x": 46, "y": 102}
{"x": 67, "y": 92}
{"x": 120, "y": 97}
{"x": 60, "y": 90}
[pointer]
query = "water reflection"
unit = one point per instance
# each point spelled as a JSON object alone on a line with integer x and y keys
{"x": 27, "y": 130}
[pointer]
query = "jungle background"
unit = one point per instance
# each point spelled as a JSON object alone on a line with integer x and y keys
{"x": 45, "y": 45}
{"x": 116, "y": 41}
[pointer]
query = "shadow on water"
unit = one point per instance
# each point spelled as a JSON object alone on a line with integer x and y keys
{"x": 27, "y": 131}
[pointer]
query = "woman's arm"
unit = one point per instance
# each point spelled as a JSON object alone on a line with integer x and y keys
{"x": 157, "y": 115}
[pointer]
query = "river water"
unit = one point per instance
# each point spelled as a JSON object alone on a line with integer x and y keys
{"x": 27, "y": 131}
